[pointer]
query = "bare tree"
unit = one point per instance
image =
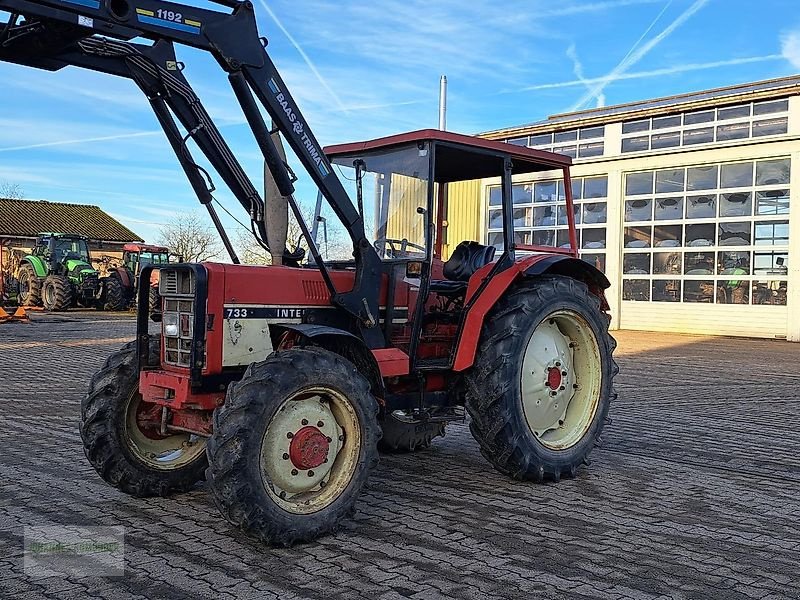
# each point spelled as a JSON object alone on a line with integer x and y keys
{"x": 249, "y": 250}
{"x": 252, "y": 253}
{"x": 11, "y": 191}
{"x": 192, "y": 237}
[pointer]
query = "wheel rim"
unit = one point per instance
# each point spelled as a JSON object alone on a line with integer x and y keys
{"x": 162, "y": 452}
{"x": 24, "y": 286}
{"x": 310, "y": 450}
{"x": 49, "y": 294}
{"x": 561, "y": 379}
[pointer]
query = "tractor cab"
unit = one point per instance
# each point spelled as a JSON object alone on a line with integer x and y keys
{"x": 406, "y": 186}
{"x": 57, "y": 248}
{"x": 402, "y": 186}
{"x": 137, "y": 256}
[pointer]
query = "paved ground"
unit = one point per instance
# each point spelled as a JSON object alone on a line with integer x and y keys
{"x": 693, "y": 495}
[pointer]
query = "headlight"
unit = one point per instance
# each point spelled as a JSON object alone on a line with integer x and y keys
{"x": 170, "y": 324}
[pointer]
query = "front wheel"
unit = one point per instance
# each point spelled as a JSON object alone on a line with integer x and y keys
{"x": 56, "y": 293}
{"x": 293, "y": 446}
{"x": 122, "y": 434}
{"x": 115, "y": 298}
{"x": 543, "y": 382}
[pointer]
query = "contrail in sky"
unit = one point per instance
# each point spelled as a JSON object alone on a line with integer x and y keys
{"x": 637, "y": 55}
{"x": 306, "y": 58}
{"x": 105, "y": 138}
{"x": 653, "y": 73}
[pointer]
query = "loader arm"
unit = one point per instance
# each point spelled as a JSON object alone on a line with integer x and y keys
{"x": 96, "y": 35}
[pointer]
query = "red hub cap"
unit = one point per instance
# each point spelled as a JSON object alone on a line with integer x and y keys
{"x": 553, "y": 378}
{"x": 309, "y": 448}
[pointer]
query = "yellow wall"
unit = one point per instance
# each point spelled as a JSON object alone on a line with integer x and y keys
{"x": 464, "y": 214}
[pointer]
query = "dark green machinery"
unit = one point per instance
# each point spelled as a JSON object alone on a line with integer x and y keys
{"x": 58, "y": 274}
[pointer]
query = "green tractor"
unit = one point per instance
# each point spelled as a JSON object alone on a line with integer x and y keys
{"x": 58, "y": 274}
{"x": 119, "y": 288}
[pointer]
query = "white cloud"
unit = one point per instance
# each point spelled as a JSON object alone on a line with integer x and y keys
{"x": 790, "y": 48}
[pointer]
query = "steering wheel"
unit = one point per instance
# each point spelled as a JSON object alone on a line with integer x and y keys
{"x": 396, "y": 248}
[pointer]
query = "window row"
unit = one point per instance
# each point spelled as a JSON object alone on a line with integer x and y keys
{"x": 707, "y": 116}
{"x": 552, "y": 191}
{"x": 726, "y": 176}
{"x": 720, "y": 291}
{"x": 708, "y": 206}
{"x": 736, "y": 233}
{"x": 774, "y": 264}
{"x": 589, "y": 238}
{"x": 706, "y": 135}
{"x": 560, "y": 137}
{"x": 706, "y": 126}
{"x": 588, "y": 213}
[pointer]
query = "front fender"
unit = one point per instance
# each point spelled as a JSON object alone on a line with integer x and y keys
{"x": 374, "y": 365}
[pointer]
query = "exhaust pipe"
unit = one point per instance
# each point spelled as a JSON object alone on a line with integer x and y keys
{"x": 276, "y": 208}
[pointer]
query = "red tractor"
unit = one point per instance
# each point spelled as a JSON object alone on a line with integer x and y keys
{"x": 275, "y": 384}
{"x": 122, "y": 282}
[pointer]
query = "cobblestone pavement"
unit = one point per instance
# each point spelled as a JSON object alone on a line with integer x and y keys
{"x": 694, "y": 493}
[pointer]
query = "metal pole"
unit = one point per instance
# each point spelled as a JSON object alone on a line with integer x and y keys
{"x": 443, "y": 103}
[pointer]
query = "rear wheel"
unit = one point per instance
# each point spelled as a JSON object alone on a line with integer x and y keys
{"x": 30, "y": 287}
{"x": 121, "y": 433}
{"x": 115, "y": 298}
{"x": 293, "y": 445}
{"x": 56, "y": 293}
{"x": 543, "y": 382}
{"x": 403, "y": 432}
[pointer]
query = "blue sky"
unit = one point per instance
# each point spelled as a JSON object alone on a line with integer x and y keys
{"x": 361, "y": 70}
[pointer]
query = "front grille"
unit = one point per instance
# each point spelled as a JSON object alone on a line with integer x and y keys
{"x": 177, "y": 288}
{"x": 176, "y": 283}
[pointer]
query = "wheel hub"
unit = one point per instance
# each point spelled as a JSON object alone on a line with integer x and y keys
{"x": 309, "y": 448}
{"x": 301, "y": 446}
{"x": 554, "y": 378}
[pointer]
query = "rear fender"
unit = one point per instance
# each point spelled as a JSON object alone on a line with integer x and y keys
{"x": 530, "y": 266}
{"x": 336, "y": 340}
{"x": 124, "y": 277}
{"x": 39, "y": 266}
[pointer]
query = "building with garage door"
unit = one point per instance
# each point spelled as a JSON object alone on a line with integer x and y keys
{"x": 687, "y": 203}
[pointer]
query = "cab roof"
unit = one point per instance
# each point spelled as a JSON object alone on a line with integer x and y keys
{"x": 144, "y": 248}
{"x": 461, "y": 157}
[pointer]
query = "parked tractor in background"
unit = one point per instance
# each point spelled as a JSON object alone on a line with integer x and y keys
{"x": 58, "y": 273}
{"x": 119, "y": 287}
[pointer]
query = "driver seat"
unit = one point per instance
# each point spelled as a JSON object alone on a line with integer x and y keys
{"x": 466, "y": 259}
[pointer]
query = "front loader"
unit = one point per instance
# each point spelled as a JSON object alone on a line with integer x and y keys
{"x": 275, "y": 384}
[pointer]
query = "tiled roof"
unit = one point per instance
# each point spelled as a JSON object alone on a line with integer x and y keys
{"x": 27, "y": 218}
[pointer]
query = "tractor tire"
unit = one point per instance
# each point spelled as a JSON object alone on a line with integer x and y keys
{"x": 114, "y": 297}
{"x": 138, "y": 462}
{"x": 269, "y": 467}
{"x": 30, "y": 287}
{"x": 407, "y": 436}
{"x": 56, "y": 293}
{"x": 542, "y": 384}
{"x": 154, "y": 304}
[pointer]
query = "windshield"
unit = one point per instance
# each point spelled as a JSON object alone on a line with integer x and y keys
{"x": 394, "y": 191}
{"x": 153, "y": 259}
{"x": 71, "y": 249}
